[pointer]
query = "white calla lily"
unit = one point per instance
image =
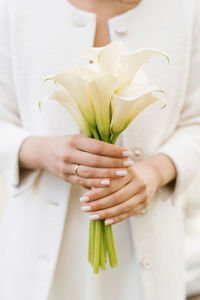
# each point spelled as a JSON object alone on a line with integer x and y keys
{"x": 78, "y": 89}
{"x": 106, "y": 58}
{"x": 101, "y": 91}
{"x": 128, "y": 104}
{"x": 65, "y": 99}
{"x": 131, "y": 63}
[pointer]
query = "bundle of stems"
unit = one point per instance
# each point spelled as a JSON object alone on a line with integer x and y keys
{"x": 101, "y": 239}
{"x": 101, "y": 242}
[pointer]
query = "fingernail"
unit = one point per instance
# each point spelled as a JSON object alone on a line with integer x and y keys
{"x": 105, "y": 182}
{"x": 127, "y": 153}
{"x": 128, "y": 163}
{"x": 108, "y": 222}
{"x": 84, "y": 199}
{"x": 121, "y": 173}
{"x": 86, "y": 208}
{"x": 94, "y": 217}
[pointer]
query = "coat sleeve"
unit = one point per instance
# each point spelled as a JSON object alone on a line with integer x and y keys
{"x": 183, "y": 148}
{"x": 11, "y": 132}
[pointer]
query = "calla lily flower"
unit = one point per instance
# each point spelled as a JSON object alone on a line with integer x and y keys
{"x": 101, "y": 91}
{"x": 77, "y": 87}
{"x": 66, "y": 100}
{"x": 106, "y": 58}
{"x": 131, "y": 63}
{"x": 128, "y": 104}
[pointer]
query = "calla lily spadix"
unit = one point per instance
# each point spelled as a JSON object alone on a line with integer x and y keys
{"x": 104, "y": 97}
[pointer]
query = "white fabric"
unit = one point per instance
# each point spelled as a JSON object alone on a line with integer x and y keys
{"x": 40, "y": 37}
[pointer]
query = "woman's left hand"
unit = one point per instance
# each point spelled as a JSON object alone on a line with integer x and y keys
{"x": 129, "y": 195}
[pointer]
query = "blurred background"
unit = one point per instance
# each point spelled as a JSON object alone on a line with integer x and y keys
{"x": 191, "y": 214}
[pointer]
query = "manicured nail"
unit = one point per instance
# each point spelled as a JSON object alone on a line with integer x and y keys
{"x": 108, "y": 222}
{"x": 84, "y": 199}
{"x": 86, "y": 208}
{"x": 94, "y": 217}
{"x": 128, "y": 163}
{"x": 121, "y": 173}
{"x": 127, "y": 153}
{"x": 105, "y": 182}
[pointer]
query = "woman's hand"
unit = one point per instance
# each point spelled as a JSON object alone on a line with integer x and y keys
{"x": 127, "y": 196}
{"x": 98, "y": 161}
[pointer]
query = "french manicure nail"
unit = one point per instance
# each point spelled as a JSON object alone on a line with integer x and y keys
{"x": 94, "y": 217}
{"x": 86, "y": 208}
{"x": 105, "y": 182}
{"x": 121, "y": 173}
{"x": 108, "y": 222}
{"x": 127, "y": 153}
{"x": 128, "y": 163}
{"x": 84, "y": 199}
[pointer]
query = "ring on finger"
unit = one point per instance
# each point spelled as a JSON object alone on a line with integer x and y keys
{"x": 76, "y": 169}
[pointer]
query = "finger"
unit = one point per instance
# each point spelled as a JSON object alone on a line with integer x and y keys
{"x": 90, "y": 172}
{"x": 119, "y": 209}
{"x": 122, "y": 217}
{"x": 89, "y": 183}
{"x": 101, "y": 148}
{"x": 115, "y": 186}
{"x": 125, "y": 193}
{"x": 97, "y": 161}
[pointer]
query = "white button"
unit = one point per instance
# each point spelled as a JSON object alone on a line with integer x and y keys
{"x": 121, "y": 29}
{"x": 146, "y": 263}
{"x": 142, "y": 212}
{"x": 137, "y": 153}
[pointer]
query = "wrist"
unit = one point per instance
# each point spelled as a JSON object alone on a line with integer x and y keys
{"x": 163, "y": 169}
{"x": 31, "y": 153}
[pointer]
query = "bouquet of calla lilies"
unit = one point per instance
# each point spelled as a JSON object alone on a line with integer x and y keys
{"x": 104, "y": 97}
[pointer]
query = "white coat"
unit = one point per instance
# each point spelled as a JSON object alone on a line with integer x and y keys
{"x": 41, "y": 37}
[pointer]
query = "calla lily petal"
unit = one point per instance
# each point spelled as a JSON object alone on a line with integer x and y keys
{"x": 125, "y": 110}
{"x": 65, "y": 99}
{"x": 101, "y": 91}
{"x": 107, "y": 58}
{"x": 131, "y": 63}
{"x": 78, "y": 89}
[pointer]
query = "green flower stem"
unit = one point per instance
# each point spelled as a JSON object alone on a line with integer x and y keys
{"x": 109, "y": 246}
{"x": 114, "y": 138}
{"x": 97, "y": 246}
{"x": 92, "y": 223}
{"x": 103, "y": 252}
{"x": 113, "y": 246}
{"x": 95, "y": 133}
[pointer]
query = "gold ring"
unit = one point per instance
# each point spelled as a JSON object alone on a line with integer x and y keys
{"x": 76, "y": 170}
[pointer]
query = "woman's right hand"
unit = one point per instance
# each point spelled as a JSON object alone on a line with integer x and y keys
{"x": 98, "y": 161}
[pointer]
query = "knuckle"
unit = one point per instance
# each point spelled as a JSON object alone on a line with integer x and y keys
{"x": 128, "y": 206}
{"x": 66, "y": 156}
{"x": 145, "y": 204}
{"x": 130, "y": 213}
{"x": 97, "y": 147}
{"x": 87, "y": 172}
{"x": 116, "y": 163}
{"x": 97, "y": 161}
{"x": 142, "y": 185}
{"x": 80, "y": 181}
